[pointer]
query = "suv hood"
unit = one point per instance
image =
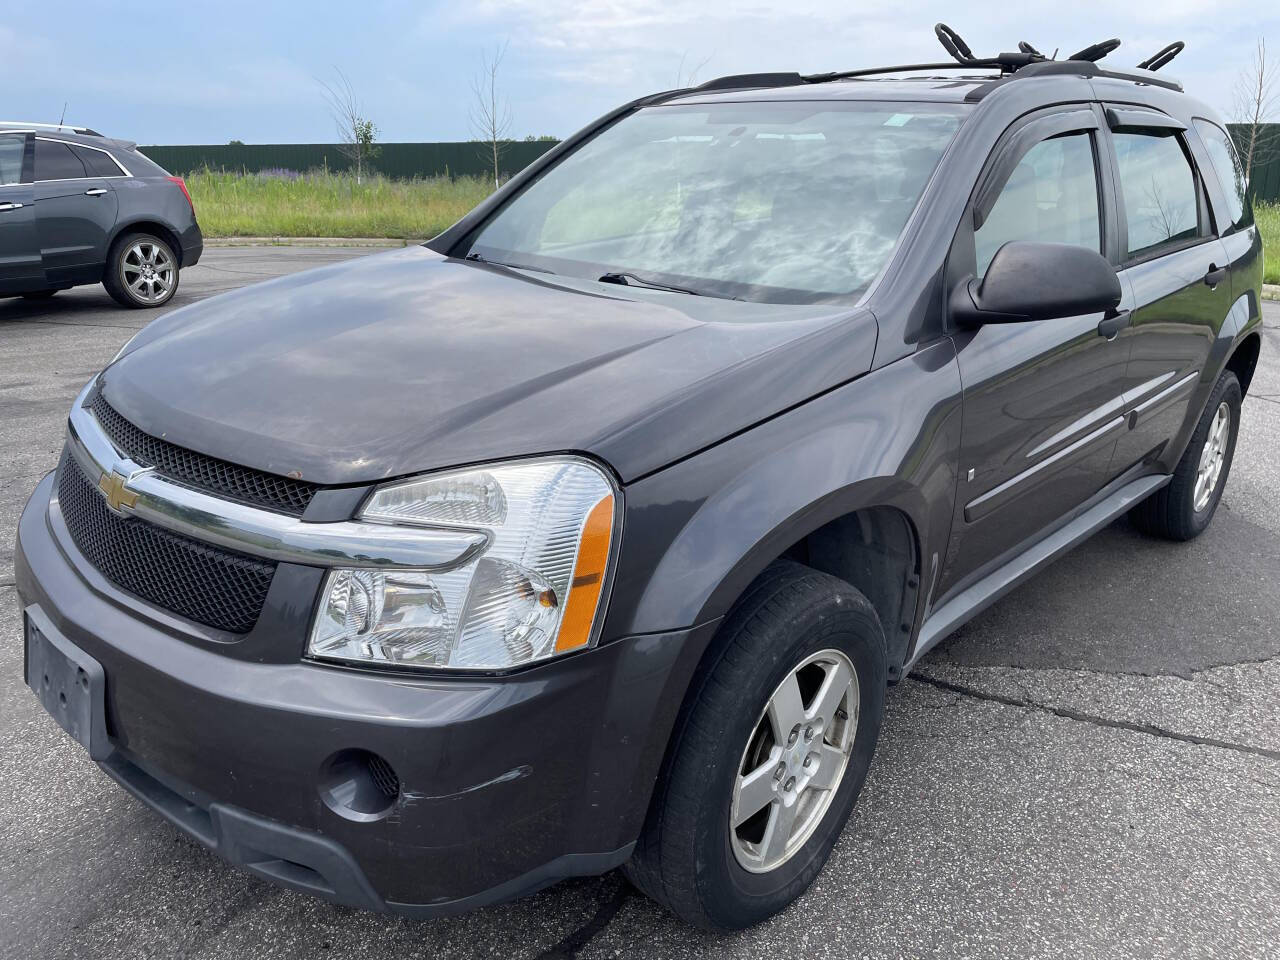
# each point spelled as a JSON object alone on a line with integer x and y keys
{"x": 408, "y": 361}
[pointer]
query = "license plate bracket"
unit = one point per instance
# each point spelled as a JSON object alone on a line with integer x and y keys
{"x": 71, "y": 684}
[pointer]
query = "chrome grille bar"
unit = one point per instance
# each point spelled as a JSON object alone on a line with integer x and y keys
{"x": 140, "y": 492}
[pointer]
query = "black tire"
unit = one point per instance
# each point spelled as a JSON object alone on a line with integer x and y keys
{"x": 1171, "y": 511}
{"x": 685, "y": 859}
{"x": 39, "y": 294}
{"x": 113, "y": 277}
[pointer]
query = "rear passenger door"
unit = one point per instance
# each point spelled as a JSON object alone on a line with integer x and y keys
{"x": 1176, "y": 270}
{"x": 75, "y": 212}
{"x": 19, "y": 249}
{"x": 1042, "y": 399}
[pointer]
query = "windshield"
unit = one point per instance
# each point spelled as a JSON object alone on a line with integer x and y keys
{"x": 786, "y": 202}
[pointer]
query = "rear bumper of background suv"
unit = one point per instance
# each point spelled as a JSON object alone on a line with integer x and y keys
{"x": 506, "y": 784}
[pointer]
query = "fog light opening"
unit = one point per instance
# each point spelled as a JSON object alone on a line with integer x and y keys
{"x": 359, "y": 785}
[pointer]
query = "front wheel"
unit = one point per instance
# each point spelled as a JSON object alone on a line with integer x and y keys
{"x": 770, "y": 754}
{"x": 142, "y": 271}
{"x": 1183, "y": 508}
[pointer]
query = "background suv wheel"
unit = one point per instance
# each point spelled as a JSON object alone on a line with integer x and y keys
{"x": 770, "y": 752}
{"x": 1183, "y": 508}
{"x": 142, "y": 271}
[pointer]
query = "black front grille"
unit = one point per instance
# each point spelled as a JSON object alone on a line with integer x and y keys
{"x": 219, "y": 477}
{"x": 197, "y": 581}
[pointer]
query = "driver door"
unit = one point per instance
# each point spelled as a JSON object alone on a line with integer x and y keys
{"x": 19, "y": 248}
{"x": 1042, "y": 399}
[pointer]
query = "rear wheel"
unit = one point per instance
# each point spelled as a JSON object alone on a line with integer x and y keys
{"x": 142, "y": 271}
{"x": 1182, "y": 509}
{"x": 770, "y": 754}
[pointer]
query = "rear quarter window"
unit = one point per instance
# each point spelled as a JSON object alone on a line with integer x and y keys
{"x": 1228, "y": 169}
{"x": 97, "y": 163}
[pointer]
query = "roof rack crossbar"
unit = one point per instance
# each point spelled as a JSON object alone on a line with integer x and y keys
{"x": 900, "y": 68}
{"x": 1096, "y": 51}
{"x": 1027, "y": 61}
{"x": 1162, "y": 56}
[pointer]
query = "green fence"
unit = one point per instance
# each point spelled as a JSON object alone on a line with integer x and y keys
{"x": 398, "y": 160}
{"x": 1264, "y": 184}
{"x": 408, "y": 160}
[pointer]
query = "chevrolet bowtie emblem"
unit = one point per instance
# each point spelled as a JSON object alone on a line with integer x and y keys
{"x": 118, "y": 495}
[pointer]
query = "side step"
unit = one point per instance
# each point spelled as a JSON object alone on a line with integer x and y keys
{"x": 972, "y": 600}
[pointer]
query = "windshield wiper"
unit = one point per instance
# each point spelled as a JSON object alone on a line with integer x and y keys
{"x": 476, "y": 258}
{"x": 631, "y": 280}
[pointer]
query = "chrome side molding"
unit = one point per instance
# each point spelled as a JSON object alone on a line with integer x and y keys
{"x": 962, "y": 607}
{"x": 134, "y": 490}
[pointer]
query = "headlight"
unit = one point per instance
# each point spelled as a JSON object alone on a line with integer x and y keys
{"x": 533, "y": 592}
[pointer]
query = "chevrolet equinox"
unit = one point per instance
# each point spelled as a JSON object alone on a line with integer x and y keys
{"x": 591, "y": 532}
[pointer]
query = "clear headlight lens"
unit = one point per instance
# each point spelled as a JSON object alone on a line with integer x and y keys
{"x": 533, "y": 592}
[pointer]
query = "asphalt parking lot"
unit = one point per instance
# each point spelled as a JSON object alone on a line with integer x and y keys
{"x": 1090, "y": 769}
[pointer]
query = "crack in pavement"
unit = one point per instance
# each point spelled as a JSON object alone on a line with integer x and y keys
{"x": 1191, "y": 676}
{"x": 69, "y": 323}
{"x": 577, "y": 940}
{"x": 1069, "y": 714}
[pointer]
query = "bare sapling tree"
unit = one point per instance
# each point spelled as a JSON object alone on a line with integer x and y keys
{"x": 684, "y": 79}
{"x": 1256, "y": 102}
{"x": 356, "y": 132}
{"x": 491, "y": 112}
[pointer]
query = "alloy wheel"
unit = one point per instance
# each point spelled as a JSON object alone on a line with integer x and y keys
{"x": 147, "y": 270}
{"x": 1212, "y": 457}
{"x": 794, "y": 760}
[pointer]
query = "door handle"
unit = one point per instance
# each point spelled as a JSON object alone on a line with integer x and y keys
{"x": 1215, "y": 275}
{"x": 10, "y": 206}
{"x": 95, "y": 192}
{"x": 1110, "y": 327}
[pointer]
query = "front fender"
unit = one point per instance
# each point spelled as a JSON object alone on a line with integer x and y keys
{"x": 698, "y": 532}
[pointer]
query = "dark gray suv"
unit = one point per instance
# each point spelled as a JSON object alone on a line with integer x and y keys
{"x": 592, "y": 532}
{"x": 77, "y": 208}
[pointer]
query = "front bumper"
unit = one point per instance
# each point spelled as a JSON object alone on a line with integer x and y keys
{"x": 507, "y": 783}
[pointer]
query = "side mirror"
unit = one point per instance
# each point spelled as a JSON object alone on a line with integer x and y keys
{"x": 1028, "y": 280}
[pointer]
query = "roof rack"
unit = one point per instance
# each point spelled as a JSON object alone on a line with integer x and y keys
{"x": 1163, "y": 56}
{"x": 29, "y": 125}
{"x": 1027, "y": 61}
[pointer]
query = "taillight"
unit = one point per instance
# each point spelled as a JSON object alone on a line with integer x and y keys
{"x": 182, "y": 185}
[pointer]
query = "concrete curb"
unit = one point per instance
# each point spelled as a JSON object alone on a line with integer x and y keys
{"x": 306, "y": 242}
{"x": 1271, "y": 291}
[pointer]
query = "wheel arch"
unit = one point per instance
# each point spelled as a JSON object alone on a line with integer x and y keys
{"x": 1243, "y": 360}
{"x": 865, "y": 535}
{"x": 147, "y": 225}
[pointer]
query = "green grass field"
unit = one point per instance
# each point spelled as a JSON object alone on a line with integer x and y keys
{"x": 330, "y": 205}
{"x": 333, "y": 205}
{"x": 1268, "y": 217}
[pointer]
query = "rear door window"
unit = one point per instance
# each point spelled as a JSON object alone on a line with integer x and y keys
{"x": 1051, "y": 196}
{"x": 55, "y": 161}
{"x": 13, "y": 147}
{"x": 1226, "y": 164}
{"x": 1161, "y": 202}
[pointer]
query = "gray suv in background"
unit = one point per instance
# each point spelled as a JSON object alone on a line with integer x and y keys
{"x": 77, "y": 207}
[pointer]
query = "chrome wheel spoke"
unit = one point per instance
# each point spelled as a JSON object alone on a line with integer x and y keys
{"x": 754, "y": 792}
{"x": 830, "y": 695}
{"x": 777, "y": 835}
{"x": 830, "y": 765}
{"x": 786, "y": 711}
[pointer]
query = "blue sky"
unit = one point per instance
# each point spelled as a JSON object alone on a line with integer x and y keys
{"x": 209, "y": 72}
